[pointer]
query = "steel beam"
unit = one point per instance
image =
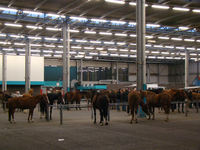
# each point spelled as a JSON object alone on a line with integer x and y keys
{"x": 27, "y": 66}
{"x": 4, "y": 71}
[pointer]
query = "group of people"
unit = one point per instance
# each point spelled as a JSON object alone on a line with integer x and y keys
{"x": 122, "y": 96}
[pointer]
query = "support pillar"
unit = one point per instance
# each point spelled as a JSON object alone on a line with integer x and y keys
{"x": 81, "y": 71}
{"x": 186, "y": 69}
{"x": 27, "y": 66}
{"x": 117, "y": 73}
{"x": 4, "y": 71}
{"x": 141, "y": 61}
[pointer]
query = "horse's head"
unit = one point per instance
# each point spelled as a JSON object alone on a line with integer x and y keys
{"x": 189, "y": 94}
{"x": 143, "y": 94}
{"x": 60, "y": 98}
{"x": 46, "y": 99}
{"x": 183, "y": 94}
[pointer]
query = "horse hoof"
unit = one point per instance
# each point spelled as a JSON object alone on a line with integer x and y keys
{"x": 32, "y": 121}
{"x": 94, "y": 122}
{"x": 106, "y": 123}
{"x": 101, "y": 124}
{"x": 136, "y": 122}
{"x": 166, "y": 120}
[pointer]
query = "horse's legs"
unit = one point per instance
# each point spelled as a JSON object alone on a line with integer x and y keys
{"x": 153, "y": 113}
{"x": 32, "y": 115}
{"x": 94, "y": 115}
{"x": 12, "y": 114}
{"x": 79, "y": 105}
{"x": 179, "y": 108}
{"x": 50, "y": 113}
{"x": 132, "y": 115}
{"x": 167, "y": 110}
{"x": 135, "y": 115}
{"x": 29, "y": 113}
{"x": 101, "y": 117}
{"x": 182, "y": 107}
{"x": 149, "y": 113}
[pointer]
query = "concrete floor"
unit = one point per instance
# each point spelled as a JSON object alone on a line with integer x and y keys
{"x": 79, "y": 132}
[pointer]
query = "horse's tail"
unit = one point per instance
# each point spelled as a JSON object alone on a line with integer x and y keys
{"x": 105, "y": 106}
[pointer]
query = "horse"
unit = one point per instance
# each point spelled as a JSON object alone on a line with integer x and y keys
{"x": 5, "y": 97}
{"x": 30, "y": 93}
{"x": 177, "y": 95}
{"x": 75, "y": 96}
{"x": 25, "y": 103}
{"x": 101, "y": 101}
{"x": 134, "y": 100}
{"x": 52, "y": 97}
{"x": 113, "y": 97}
{"x": 157, "y": 100}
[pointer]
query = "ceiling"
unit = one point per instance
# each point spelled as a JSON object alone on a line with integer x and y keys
{"x": 166, "y": 42}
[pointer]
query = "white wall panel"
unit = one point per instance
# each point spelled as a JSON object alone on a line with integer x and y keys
{"x": 1, "y": 65}
{"x": 37, "y": 69}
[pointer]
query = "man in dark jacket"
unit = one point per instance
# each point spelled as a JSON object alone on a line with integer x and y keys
{"x": 125, "y": 97}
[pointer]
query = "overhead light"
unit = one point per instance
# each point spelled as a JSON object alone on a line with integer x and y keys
{"x": 104, "y": 54}
{"x": 146, "y": 51}
{"x": 109, "y": 42}
{"x": 13, "y": 25}
{"x": 189, "y": 40}
{"x": 115, "y": 1}
{"x": 193, "y": 54}
{"x": 90, "y": 32}
{"x": 75, "y": 31}
{"x": 96, "y": 42}
{"x": 155, "y": 52}
{"x": 133, "y": 44}
{"x": 21, "y": 50}
{"x": 59, "y": 52}
{"x": 133, "y": 50}
{"x": 60, "y": 46}
{"x": 8, "y": 49}
{"x": 105, "y": 33}
{"x": 178, "y": 47}
{"x": 197, "y": 40}
{"x": 72, "y": 52}
{"x": 35, "y": 51}
{"x": 2, "y": 34}
{"x": 166, "y": 53}
{"x": 78, "y": 18}
{"x": 57, "y": 55}
{"x": 88, "y": 57}
{"x": 120, "y": 34}
{"x": 17, "y": 36}
{"x": 120, "y": 22}
{"x": 49, "y": 45}
{"x": 34, "y": 27}
{"x": 132, "y": 23}
{"x": 182, "y": 54}
{"x": 123, "y": 55}
{"x": 134, "y": 56}
{"x": 121, "y": 43}
{"x": 196, "y": 10}
{"x": 153, "y": 25}
{"x": 177, "y": 58}
{"x": 11, "y": 54}
{"x": 36, "y": 45}
{"x": 148, "y": 45}
{"x": 160, "y": 6}
{"x": 123, "y": 50}
{"x": 88, "y": 47}
{"x": 112, "y": 49}
{"x": 163, "y": 37}
{"x": 151, "y": 56}
{"x": 77, "y": 47}
{"x": 19, "y": 44}
{"x": 160, "y": 57}
{"x": 47, "y": 51}
{"x": 5, "y": 43}
{"x": 133, "y": 35}
{"x": 99, "y": 20}
{"x": 176, "y": 39}
{"x": 160, "y": 46}
{"x": 114, "y": 54}
{"x": 81, "y": 53}
{"x": 149, "y": 36}
{"x": 81, "y": 41}
{"x": 183, "y": 28}
{"x": 54, "y": 29}
{"x": 169, "y": 46}
{"x": 32, "y": 12}
{"x": 182, "y": 9}
{"x": 190, "y": 48}
{"x": 99, "y": 48}
{"x": 8, "y": 9}
{"x": 169, "y": 57}
{"x": 34, "y": 37}
{"x": 79, "y": 56}
{"x": 53, "y": 15}
{"x": 133, "y": 3}
{"x": 151, "y": 41}
{"x": 198, "y": 49}
{"x": 53, "y": 39}
{"x": 93, "y": 53}
{"x": 46, "y": 55}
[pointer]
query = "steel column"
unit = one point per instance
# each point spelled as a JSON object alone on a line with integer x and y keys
{"x": 186, "y": 68}
{"x": 117, "y": 74}
{"x": 27, "y": 66}
{"x": 4, "y": 71}
{"x": 81, "y": 71}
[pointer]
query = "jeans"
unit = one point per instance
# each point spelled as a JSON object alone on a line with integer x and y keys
{"x": 118, "y": 101}
{"x": 124, "y": 106}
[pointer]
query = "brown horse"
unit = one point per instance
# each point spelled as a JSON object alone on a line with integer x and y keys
{"x": 157, "y": 100}
{"x": 30, "y": 93}
{"x": 75, "y": 96}
{"x": 176, "y": 95}
{"x": 134, "y": 100}
{"x": 101, "y": 101}
{"x": 25, "y": 103}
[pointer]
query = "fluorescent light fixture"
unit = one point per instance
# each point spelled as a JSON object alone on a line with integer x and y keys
{"x": 78, "y": 18}
{"x": 35, "y": 44}
{"x": 151, "y": 56}
{"x": 8, "y": 9}
{"x": 169, "y": 46}
{"x": 99, "y": 48}
{"x": 197, "y": 40}
{"x": 115, "y": 1}
{"x": 32, "y": 12}
{"x": 176, "y": 39}
{"x": 178, "y": 47}
{"x": 60, "y": 46}
{"x": 35, "y": 51}
{"x": 57, "y": 55}
{"x": 166, "y": 53}
{"x": 189, "y": 40}
{"x": 72, "y": 52}
{"x": 17, "y": 36}
{"x": 132, "y": 23}
{"x": 114, "y": 54}
{"x": 149, "y": 36}
{"x": 99, "y": 20}
{"x": 151, "y": 41}
{"x": 133, "y": 35}
{"x": 163, "y": 37}
{"x": 49, "y": 45}
{"x": 74, "y": 31}
{"x": 47, "y": 51}
{"x": 93, "y": 53}
{"x": 169, "y": 57}
{"x": 34, "y": 37}
{"x": 182, "y": 54}
{"x": 54, "y": 29}
{"x": 46, "y": 55}
{"x": 109, "y": 42}
{"x": 193, "y": 54}
{"x": 8, "y": 49}
{"x": 88, "y": 57}
{"x": 120, "y": 22}
{"x": 133, "y": 3}
{"x": 198, "y": 49}
{"x": 196, "y": 10}
{"x": 105, "y": 33}
{"x": 13, "y": 25}
{"x": 90, "y": 32}
{"x": 2, "y": 34}
{"x": 88, "y": 47}
{"x": 146, "y": 51}
{"x": 148, "y": 45}
{"x": 155, "y": 52}
{"x": 121, "y": 43}
{"x": 112, "y": 49}
{"x": 5, "y": 43}
{"x": 133, "y": 50}
{"x": 34, "y": 27}
{"x": 160, "y": 6}
{"x": 77, "y": 47}
{"x": 81, "y": 53}
{"x": 123, "y": 50}
{"x": 190, "y": 48}
{"x": 172, "y": 53}
{"x": 52, "y": 39}
{"x": 160, "y": 57}
{"x": 53, "y": 15}
{"x": 59, "y": 52}
{"x": 11, "y": 54}
{"x": 81, "y": 41}
{"x": 104, "y": 54}
{"x": 96, "y": 42}
{"x": 124, "y": 55}
{"x": 21, "y": 50}
{"x": 132, "y": 43}
{"x": 181, "y": 9}
{"x": 79, "y": 56}
{"x": 153, "y": 25}
{"x": 19, "y": 44}
{"x": 177, "y": 57}
{"x": 120, "y": 34}
{"x": 183, "y": 28}
{"x": 159, "y": 46}
{"x": 134, "y": 56}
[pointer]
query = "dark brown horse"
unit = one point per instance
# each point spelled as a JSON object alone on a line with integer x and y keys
{"x": 153, "y": 100}
{"x": 176, "y": 95}
{"x": 25, "y": 103}
{"x": 70, "y": 97}
{"x": 134, "y": 100}
{"x": 101, "y": 101}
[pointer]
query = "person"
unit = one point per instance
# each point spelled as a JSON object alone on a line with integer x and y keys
{"x": 125, "y": 97}
{"x": 118, "y": 99}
